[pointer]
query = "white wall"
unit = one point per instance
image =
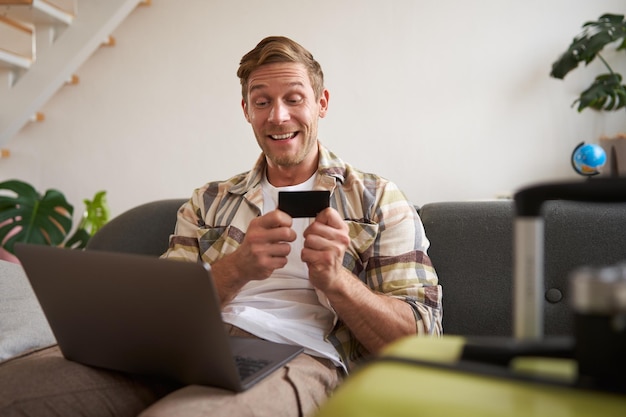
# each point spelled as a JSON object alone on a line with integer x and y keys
{"x": 451, "y": 99}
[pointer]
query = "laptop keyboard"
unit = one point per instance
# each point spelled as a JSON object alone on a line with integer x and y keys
{"x": 248, "y": 366}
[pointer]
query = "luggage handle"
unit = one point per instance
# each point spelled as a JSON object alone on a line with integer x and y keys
{"x": 528, "y": 279}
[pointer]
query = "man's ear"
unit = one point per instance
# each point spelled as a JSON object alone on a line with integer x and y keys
{"x": 244, "y": 106}
{"x": 324, "y": 103}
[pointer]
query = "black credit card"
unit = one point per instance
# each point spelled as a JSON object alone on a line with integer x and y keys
{"x": 303, "y": 203}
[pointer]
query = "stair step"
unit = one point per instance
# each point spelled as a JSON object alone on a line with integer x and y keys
{"x": 17, "y": 45}
{"x": 40, "y": 11}
{"x": 13, "y": 61}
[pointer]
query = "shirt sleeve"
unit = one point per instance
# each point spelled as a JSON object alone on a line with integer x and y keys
{"x": 399, "y": 265}
{"x": 183, "y": 244}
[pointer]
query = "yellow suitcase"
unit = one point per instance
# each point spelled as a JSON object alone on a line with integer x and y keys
{"x": 425, "y": 377}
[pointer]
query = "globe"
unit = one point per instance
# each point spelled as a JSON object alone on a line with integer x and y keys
{"x": 588, "y": 158}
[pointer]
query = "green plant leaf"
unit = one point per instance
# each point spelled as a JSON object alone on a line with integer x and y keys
{"x": 95, "y": 216}
{"x": 26, "y": 216}
{"x": 96, "y": 213}
{"x": 606, "y": 93}
{"x": 586, "y": 47}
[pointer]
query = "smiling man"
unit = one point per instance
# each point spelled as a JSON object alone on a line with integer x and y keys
{"x": 283, "y": 109}
{"x": 342, "y": 285}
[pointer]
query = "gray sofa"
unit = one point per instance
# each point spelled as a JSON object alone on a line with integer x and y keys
{"x": 471, "y": 249}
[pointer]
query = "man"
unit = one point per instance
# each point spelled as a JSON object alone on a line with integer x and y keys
{"x": 343, "y": 284}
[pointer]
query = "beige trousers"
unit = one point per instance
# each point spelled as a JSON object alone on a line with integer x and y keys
{"x": 298, "y": 389}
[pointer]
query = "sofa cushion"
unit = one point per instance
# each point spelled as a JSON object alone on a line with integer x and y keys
{"x": 471, "y": 250}
{"x": 43, "y": 383}
{"x": 142, "y": 230}
{"x": 23, "y": 325}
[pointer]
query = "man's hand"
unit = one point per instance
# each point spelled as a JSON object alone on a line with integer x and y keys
{"x": 266, "y": 245}
{"x": 264, "y": 249}
{"x": 325, "y": 242}
{"x": 375, "y": 319}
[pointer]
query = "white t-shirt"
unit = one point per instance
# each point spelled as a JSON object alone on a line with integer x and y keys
{"x": 285, "y": 307}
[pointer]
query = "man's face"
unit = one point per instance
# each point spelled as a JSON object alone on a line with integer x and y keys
{"x": 283, "y": 111}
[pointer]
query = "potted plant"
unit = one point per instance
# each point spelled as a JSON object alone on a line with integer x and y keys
{"x": 607, "y": 92}
{"x": 27, "y": 216}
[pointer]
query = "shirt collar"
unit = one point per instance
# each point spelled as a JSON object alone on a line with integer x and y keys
{"x": 331, "y": 170}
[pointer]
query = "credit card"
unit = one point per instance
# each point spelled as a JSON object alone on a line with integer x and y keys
{"x": 303, "y": 203}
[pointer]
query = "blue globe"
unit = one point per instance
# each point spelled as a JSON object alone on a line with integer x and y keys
{"x": 587, "y": 159}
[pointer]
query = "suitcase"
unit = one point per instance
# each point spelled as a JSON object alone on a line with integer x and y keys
{"x": 523, "y": 375}
{"x": 427, "y": 377}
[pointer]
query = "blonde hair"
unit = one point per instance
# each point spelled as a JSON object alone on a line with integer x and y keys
{"x": 275, "y": 49}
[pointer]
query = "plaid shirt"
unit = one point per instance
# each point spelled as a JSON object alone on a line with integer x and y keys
{"x": 387, "y": 250}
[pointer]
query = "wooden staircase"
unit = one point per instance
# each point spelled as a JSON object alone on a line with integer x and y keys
{"x": 42, "y": 44}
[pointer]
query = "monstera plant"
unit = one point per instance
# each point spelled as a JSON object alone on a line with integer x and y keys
{"x": 29, "y": 217}
{"x": 607, "y": 92}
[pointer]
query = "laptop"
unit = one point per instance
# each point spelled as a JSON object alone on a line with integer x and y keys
{"x": 144, "y": 315}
